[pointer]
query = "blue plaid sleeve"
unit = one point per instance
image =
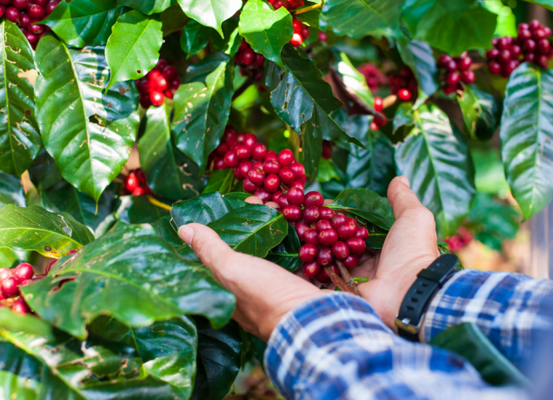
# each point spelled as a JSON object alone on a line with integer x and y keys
{"x": 509, "y": 308}
{"x": 335, "y": 346}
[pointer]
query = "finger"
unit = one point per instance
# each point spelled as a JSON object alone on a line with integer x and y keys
{"x": 206, "y": 243}
{"x": 401, "y": 197}
{"x": 253, "y": 200}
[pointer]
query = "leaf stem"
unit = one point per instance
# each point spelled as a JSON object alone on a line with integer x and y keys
{"x": 307, "y": 9}
{"x": 340, "y": 282}
{"x": 158, "y": 203}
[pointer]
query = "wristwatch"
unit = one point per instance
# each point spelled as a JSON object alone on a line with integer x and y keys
{"x": 418, "y": 297}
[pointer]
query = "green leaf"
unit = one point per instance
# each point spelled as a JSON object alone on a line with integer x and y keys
{"x": 218, "y": 360}
{"x": 211, "y": 13}
{"x": 133, "y": 47}
{"x": 11, "y": 191}
{"x": 286, "y": 253}
{"x": 230, "y": 43}
{"x": 133, "y": 275}
{"x": 206, "y": 208}
{"x": 87, "y": 130}
{"x": 19, "y": 138}
{"x": 527, "y": 137}
{"x": 253, "y": 229}
{"x": 327, "y": 171}
{"x": 29, "y": 324}
{"x": 420, "y": 57}
{"x": 265, "y": 29}
{"x": 194, "y": 37}
{"x": 147, "y": 7}
{"x": 20, "y": 372}
{"x": 481, "y": 112}
{"x": 202, "y": 107}
{"x": 354, "y": 81}
{"x": 63, "y": 197}
{"x": 84, "y": 22}
{"x": 544, "y": 3}
{"x": 493, "y": 221}
{"x": 165, "y": 229}
{"x": 141, "y": 211}
{"x": 43, "y": 171}
{"x": 220, "y": 181}
{"x": 489, "y": 174}
{"x": 359, "y": 18}
{"x": 169, "y": 172}
{"x": 35, "y": 229}
{"x": 366, "y": 204}
{"x": 435, "y": 159}
{"x": 7, "y": 257}
{"x": 451, "y": 26}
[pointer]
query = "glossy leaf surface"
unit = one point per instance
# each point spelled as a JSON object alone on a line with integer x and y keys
{"x": 210, "y": 13}
{"x": 194, "y": 37}
{"x": 286, "y": 253}
{"x": 11, "y": 191}
{"x": 147, "y": 7}
{"x": 420, "y": 58}
{"x": 481, "y": 112}
{"x": 206, "y": 208}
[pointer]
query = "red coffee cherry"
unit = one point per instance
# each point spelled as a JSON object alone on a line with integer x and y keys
{"x": 468, "y": 77}
{"x": 404, "y": 94}
{"x": 292, "y": 212}
{"x": 301, "y": 227}
{"x": 324, "y": 256}
{"x": 378, "y": 104}
{"x": 283, "y": 201}
{"x": 231, "y": 160}
{"x": 308, "y": 253}
{"x": 299, "y": 170}
{"x": 138, "y": 192}
{"x": 20, "y": 307}
{"x": 243, "y": 153}
{"x": 452, "y": 78}
{"x": 245, "y": 167}
{"x": 247, "y": 57}
{"x": 311, "y": 214}
{"x": 323, "y": 225}
{"x": 464, "y": 63}
{"x": 249, "y": 186}
{"x": 340, "y": 250}
{"x": 23, "y": 272}
{"x": 270, "y": 155}
{"x": 271, "y": 167}
{"x": 237, "y": 173}
{"x": 286, "y": 158}
{"x": 20, "y": 4}
{"x": 12, "y": 14}
{"x": 295, "y": 196}
{"x": 356, "y": 245}
{"x": 313, "y": 199}
{"x": 32, "y": 38}
{"x": 297, "y": 184}
{"x": 296, "y": 40}
{"x": 272, "y": 183}
{"x": 311, "y": 270}
{"x": 157, "y": 98}
{"x": 257, "y": 176}
{"x": 311, "y": 236}
{"x": 362, "y": 233}
{"x": 10, "y": 287}
{"x": 350, "y": 262}
{"x": 338, "y": 220}
{"x": 328, "y": 237}
{"x": 276, "y": 195}
{"x": 263, "y": 194}
{"x": 286, "y": 175}
{"x": 5, "y": 273}
{"x": 258, "y": 151}
{"x": 323, "y": 277}
{"x": 250, "y": 140}
{"x": 327, "y": 213}
{"x": 230, "y": 135}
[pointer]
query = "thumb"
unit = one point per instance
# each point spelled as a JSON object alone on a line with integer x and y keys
{"x": 402, "y": 198}
{"x": 206, "y": 243}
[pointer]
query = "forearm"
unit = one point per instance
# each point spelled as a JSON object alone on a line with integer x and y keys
{"x": 508, "y": 308}
{"x": 336, "y": 347}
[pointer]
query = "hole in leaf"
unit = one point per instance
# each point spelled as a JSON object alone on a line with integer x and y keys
{"x": 138, "y": 71}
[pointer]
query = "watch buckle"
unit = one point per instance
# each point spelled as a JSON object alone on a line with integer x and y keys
{"x": 405, "y": 325}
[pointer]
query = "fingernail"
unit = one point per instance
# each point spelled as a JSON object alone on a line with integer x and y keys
{"x": 405, "y": 181}
{"x": 186, "y": 233}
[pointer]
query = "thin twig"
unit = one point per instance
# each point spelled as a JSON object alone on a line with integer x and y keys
{"x": 307, "y": 9}
{"x": 243, "y": 88}
{"x": 158, "y": 203}
{"x": 339, "y": 281}
{"x": 347, "y": 277}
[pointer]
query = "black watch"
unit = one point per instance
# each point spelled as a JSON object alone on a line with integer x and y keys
{"x": 418, "y": 297}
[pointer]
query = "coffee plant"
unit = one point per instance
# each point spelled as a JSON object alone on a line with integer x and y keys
{"x": 123, "y": 120}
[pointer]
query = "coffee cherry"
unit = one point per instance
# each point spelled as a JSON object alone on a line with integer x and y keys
{"x": 12, "y": 14}
{"x": 245, "y": 167}
{"x": 543, "y": 46}
{"x": 286, "y": 175}
{"x": 157, "y": 98}
{"x": 243, "y": 153}
{"x": 492, "y": 54}
{"x": 515, "y": 51}
{"x": 444, "y": 60}
{"x": 31, "y": 38}
{"x": 323, "y": 277}
{"x": 356, "y": 245}
{"x": 313, "y": 199}
{"x": 231, "y": 160}
{"x": 504, "y": 55}
{"x": 298, "y": 185}
{"x": 468, "y": 76}
{"x": 452, "y": 78}
{"x": 5, "y": 273}
{"x": 292, "y": 212}
{"x": 36, "y": 12}
{"x": 378, "y": 103}
{"x": 323, "y": 225}
{"x": 270, "y": 155}
{"x": 276, "y": 195}
{"x": 311, "y": 270}
{"x": 20, "y": 4}
{"x": 299, "y": 170}
{"x": 327, "y": 213}
{"x": 271, "y": 167}
{"x": 530, "y": 57}
{"x": 248, "y": 57}
{"x": 464, "y": 63}
{"x": 508, "y": 68}
{"x": 328, "y": 237}
{"x": 258, "y": 151}
{"x": 23, "y": 272}
{"x": 542, "y": 60}
{"x": 504, "y": 42}
{"x": 324, "y": 256}
{"x": 450, "y": 66}
{"x": 237, "y": 173}
{"x": 20, "y": 307}
{"x": 362, "y": 233}
{"x": 338, "y": 220}
{"x": 538, "y": 34}
{"x": 350, "y": 262}
{"x": 311, "y": 214}
{"x": 524, "y": 35}
{"x": 272, "y": 183}
{"x": 10, "y": 287}
{"x": 249, "y": 186}
{"x": 547, "y": 31}
{"x": 534, "y": 24}
{"x": 283, "y": 201}
{"x": 218, "y": 164}
{"x": 2, "y": 12}
{"x": 529, "y": 46}
{"x": 259, "y": 61}
{"x": 495, "y": 68}
{"x": 249, "y": 140}
{"x": 230, "y": 135}
{"x": 286, "y": 158}
{"x": 296, "y": 40}
{"x": 263, "y": 195}
{"x": 138, "y": 192}
{"x": 301, "y": 227}
{"x": 404, "y": 94}
{"x": 308, "y": 253}
{"x": 257, "y": 176}
{"x": 347, "y": 230}
{"x": 340, "y": 250}
{"x": 295, "y": 196}
{"x": 448, "y": 89}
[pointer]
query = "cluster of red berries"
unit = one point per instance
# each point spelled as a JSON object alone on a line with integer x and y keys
{"x": 263, "y": 173}
{"x": 404, "y": 84}
{"x": 250, "y": 62}
{"x": 374, "y": 77}
{"x": 378, "y": 122}
{"x": 328, "y": 236}
{"x": 288, "y": 4}
{"x": 456, "y": 70}
{"x": 10, "y": 282}
{"x": 135, "y": 183}
{"x": 26, "y": 14}
{"x": 301, "y": 31}
{"x": 161, "y": 82}
{"x": 460, "y": 240}
{"x": 530, "y": 45}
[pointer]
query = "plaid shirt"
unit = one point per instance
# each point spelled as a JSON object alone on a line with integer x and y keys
{"x": 335, "y": 346}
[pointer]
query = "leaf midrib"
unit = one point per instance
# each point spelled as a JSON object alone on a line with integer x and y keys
{"x": 4, "y": 60}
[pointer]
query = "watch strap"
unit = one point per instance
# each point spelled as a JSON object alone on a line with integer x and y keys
{"x": 418, "y": 297}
